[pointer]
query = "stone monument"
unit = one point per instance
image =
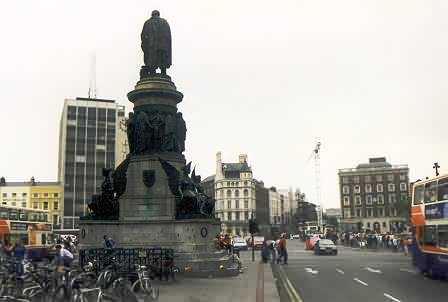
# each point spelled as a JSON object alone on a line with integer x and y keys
{"x": 153, "y": 199}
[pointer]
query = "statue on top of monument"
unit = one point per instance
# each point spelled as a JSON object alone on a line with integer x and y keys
{"x": 156, "y": 44}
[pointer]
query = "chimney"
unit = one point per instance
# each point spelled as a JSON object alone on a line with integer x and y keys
{"x": 2, "y": 181}
{"x": 219, "y": 174}
{"x": 243, "y": 158}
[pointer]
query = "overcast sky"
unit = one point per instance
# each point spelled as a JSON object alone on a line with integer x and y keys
{"x": 266, "y": 78}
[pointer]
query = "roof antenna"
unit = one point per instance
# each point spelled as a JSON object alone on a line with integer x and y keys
{"x": 92, "y": 80}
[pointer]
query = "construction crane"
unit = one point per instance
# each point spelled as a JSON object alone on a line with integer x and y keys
{"x": 319, "y": 208}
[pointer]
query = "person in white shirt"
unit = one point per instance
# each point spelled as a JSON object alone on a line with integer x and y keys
{"x": 65, "y": 257}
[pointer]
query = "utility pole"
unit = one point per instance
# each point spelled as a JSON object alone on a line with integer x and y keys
{"x": 92, "y": 80}
{"x": 316, "y": 153}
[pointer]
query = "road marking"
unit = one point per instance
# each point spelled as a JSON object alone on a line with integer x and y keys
{"x": 359, "y": 281}
{"x": 291, "y": 291}
{"x": 340, "y": 271}
{"x": 372, "y": 270}
{"x": 408, "y": 271}
{"x": 390, "y": 297}
{"x": 310, "y": 270}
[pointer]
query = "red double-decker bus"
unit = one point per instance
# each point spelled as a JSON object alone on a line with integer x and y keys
{"x": 430, "y": 226}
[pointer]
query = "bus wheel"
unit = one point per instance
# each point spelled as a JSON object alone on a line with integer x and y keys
{"x": 432, "y": 274}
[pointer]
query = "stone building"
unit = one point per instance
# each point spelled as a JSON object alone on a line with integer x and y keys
{"x": 371, "y": 195}
{"x": 92, "y": 136}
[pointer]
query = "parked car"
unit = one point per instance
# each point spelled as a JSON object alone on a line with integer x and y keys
{"x": 258, "y": 242}
{"x": 325, "y": 246}
{"x": 239, "y": 243}
{"x": 295, "y": 236}
{"x": 310, "y": 242}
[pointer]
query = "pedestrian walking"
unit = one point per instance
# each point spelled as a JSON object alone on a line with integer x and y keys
{"x": 108, "y": 243}
{"x": 283, "y": 250}
{"x": 19, "y": 252}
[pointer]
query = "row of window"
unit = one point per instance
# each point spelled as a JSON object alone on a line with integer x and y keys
{"x": 379, "y": 199}
{"x": 369, "y": 178}
{"x": 434, "y": 235}
{"x": 431, "y": 192}
{"x": 237, "y": 204}
{"x": 236, "y": 216}
{"x": 35, "y": 195}
{"x": 236, "y": 193}
{"x": 35, "y": 205}
{"x": 358, "y": 212}
{"x": 379, "y": 188}
{"x": 232, "y": 184}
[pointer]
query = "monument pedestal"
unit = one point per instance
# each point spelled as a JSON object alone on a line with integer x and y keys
{"x": 191, "y": 240}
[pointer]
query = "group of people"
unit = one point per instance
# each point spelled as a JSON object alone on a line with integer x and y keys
{"x": 374, "y": 241}
{"x": 275, "y": 250}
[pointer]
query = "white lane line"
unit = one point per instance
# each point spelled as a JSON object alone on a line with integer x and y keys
{"x": 340, "y": 271}
{"x": 390, "y": 297}
{"x": 372, "y": 270}
{"x": 310, "y": 270}
{"x": 408, "y": 271}
{"x": 361, "y": 282}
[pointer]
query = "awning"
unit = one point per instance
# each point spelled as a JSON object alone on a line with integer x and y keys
{"x": 4, "y": 228}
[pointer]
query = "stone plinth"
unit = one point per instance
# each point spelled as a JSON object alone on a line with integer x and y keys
{"x": 192, "y": 241}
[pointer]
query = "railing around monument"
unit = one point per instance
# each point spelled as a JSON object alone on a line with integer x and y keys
{"x": 159, "y": 260}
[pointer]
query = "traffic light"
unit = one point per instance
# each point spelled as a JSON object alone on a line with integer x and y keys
{"x": 253, "y": 226}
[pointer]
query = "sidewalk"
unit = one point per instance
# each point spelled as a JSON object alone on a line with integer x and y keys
{"x": 256, "y": 283}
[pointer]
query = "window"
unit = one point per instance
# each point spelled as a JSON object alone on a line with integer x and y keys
{"x": 23, "y": 204}
{"x": 13, "y": 204}
{"x": 356, "y": 179}
{"x": 358, "y": 213}
{"x": 418, "y": 194}
{"x": 379, "y": 187}
{"x": 56, "y": 195}
{"x": 443, "y": 189}
{"x": 237, "y": 216}
{"x": 229, "y": 193}
{"x": 24, "y": 194}
{"x": 237, "y": 193}
{"x": 35, "y": 205}
{"x": 357, "y": 189}
{"x": 246, "y": 203}
{"x": 5, "y": 195}
{"x": 393, "y": 212}
{"x": 14, "y": 195}
{"x": 390, "y": 177}
{"x": 403, "y": 186}
{"x": 45, "y": 194}
{"x": 380, "y": 199}
{"x": 357, "y": 200}
{"x": 429, "y": 235}
{"x": 345, "y": 180}
{"x": 402, "y": 176}
{"x": 367, "y": 178}
{"x": 384, "y": 224}
{"x": 369, "y": 212}
{"x": 430, "y": 191}
{"x": 368, "y": 225}
{"x": 392, "y": 198}
{"x": 379, "y": 178}
{"x": 229, "y": 204}
{"x": 229, "y": 216}
{"x": 347, "y": 213}
{"x": 36, "y": 195}
{"x": 56, "y": 205}
{"x": 346, "y": 190}
{"x": 391, "y": 187}
{"x": 369, "y": 199}
{"x": 380, "y": 212}
{"x": 246, "y": 192}
{"x": 45, "y": 205}
{"x": 246, "y": 215}
{"x": 237, "y": 204}
{"x": 346, "y": 200}
{"x": 443, "y": 235}
{"x": 368, "y": 188}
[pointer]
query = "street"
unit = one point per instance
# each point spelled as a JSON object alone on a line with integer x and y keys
{"x": 355, "y": 275}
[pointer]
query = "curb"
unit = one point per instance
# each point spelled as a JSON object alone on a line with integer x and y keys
{"x": 284, "y": 282}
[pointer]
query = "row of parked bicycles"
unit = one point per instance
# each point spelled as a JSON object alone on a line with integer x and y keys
{"x": 46, "y": 282}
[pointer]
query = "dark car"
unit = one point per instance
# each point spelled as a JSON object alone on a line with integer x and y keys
{"x": 325, "y": 246}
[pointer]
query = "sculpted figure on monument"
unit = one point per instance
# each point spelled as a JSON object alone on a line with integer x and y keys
{"x": 131, "y": 132}
{"x": 105, "y": 205}
{"x": 156, "y": 44}
{"x": 181, "y": 132}
{"x": 156, "y": 122}
{"x": 143, "y": 133}
{"x": 169, "y": 139}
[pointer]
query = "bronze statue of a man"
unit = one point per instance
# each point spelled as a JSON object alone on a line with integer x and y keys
{"x": 156, "y": 43}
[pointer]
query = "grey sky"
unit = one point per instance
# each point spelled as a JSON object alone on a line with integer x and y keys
{"x": 266, "y": 78}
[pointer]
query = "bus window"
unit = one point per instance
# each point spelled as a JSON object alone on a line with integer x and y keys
{"x": 431, "y": 192}
{"x": 4, "y": 214}
{"x": 443, "y": 236}
{"x": 442, "y": 189}
{"x": 418, "y": 195}
{"x": 430, "y": 235}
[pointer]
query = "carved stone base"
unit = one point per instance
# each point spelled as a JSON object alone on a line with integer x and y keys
{"x": 192, "y": 241}
{"x": 153, "y": 200}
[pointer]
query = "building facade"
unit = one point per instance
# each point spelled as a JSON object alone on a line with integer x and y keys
{"x": 283, "y": 210}
{"x": 234, "y": 195}
{"x": 92, "y": 137}
{"x": 371, "y": 195}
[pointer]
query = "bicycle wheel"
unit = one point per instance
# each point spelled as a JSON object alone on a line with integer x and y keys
{"x": 60, "y": 294}
{"x": 76, "y": 296}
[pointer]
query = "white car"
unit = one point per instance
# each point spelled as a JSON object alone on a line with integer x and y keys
{"x": 295, "y": 236}
{"x": 239, "y": 243}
